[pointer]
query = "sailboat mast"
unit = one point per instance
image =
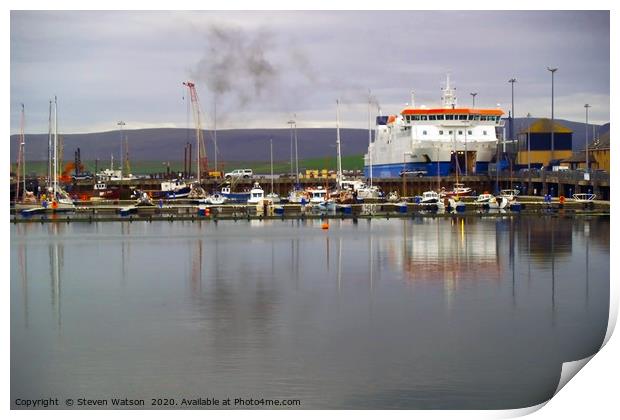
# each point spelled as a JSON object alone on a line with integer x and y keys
{"x": 271, "y": 159}
{"x": 296, "y": 154}
{"x": 55, "y": 183}
{"x": 369, "y": 141}
{"x": 23, "y": 147}
{"x": 339, "y": 158}
{"x": 215, "y": 132}
{"x": 49, "y": 147}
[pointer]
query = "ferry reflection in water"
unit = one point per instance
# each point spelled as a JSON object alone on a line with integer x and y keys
{"x": 473, "y": 312}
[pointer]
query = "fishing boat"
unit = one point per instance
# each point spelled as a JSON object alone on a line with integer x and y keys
{"x": 257, "y": 194}
{"x": 456, "y": 204}
{"x": 443, "y": 136}
{"x": 175, "y": 189}
{"x": 234, "y": 197}
{"x": 316, "y": 195}
{"x": 430, "y": 197}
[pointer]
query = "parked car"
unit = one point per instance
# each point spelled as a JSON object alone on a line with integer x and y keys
{"x": 418, "y": 173}
{"x": 239, "y": 173}
{"x": 85, "y": 176}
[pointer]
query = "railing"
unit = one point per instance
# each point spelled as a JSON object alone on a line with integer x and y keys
{"x": 567, "y": 176}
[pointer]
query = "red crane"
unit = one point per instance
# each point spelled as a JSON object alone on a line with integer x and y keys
{"x": 201, "y": 154}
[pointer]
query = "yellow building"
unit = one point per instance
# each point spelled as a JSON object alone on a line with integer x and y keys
{"x": 599, "y": 153}
{"x": 540, "y": 150}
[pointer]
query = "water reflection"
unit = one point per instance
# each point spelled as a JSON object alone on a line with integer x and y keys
{"x": 459, "y": 312}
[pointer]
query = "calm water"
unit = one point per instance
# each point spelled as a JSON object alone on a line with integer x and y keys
{"x": 427, "y": 313}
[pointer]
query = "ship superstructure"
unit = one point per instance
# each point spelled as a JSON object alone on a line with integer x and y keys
{"x": 439, "y": 141}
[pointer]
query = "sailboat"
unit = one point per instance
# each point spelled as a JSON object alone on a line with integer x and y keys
{"x": 58, "y": 199}
{"x": 368, "y": 192}
{"x": 459, "y": 189}
{"x": 27, "y": 197}
{"x": 275, "y": 198}
{"x": 431, "y": 196}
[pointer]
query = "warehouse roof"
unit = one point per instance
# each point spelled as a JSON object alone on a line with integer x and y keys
{"x": 543, "y": 125}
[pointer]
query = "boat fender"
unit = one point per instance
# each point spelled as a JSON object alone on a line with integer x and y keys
{"x": 44, "y": 204}
{"x": 562, "y": 199}
{"x": 54, "y": 204}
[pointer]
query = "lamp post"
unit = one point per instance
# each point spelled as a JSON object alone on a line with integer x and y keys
{"x": 587, "y": 106}
{"x": 552, "y": 70}
{"x": 512, "y": 108}
{"x": 473, "y": 99}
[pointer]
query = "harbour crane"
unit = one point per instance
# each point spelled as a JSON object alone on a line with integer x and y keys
{"x": 201, "y": 154}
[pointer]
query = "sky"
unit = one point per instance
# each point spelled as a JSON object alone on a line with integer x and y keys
{"x": 260, "y": 69}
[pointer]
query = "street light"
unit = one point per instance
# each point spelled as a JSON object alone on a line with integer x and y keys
{"x": 552, "y": 70}
{"x": 473, "y": 99}
{"x": 587, "y": 106}
{"x": 512, "y": 117}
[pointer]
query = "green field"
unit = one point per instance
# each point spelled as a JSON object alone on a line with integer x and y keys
{"x": 149, "y": 167}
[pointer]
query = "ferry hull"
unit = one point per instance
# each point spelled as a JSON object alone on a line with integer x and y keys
{"x": 393, "y": 170}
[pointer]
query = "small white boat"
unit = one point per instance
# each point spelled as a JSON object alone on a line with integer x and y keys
{"x": 215, "y": 199}
{"x": 584, "y": 197}
{"x": 366, "y": 192}
{"x": 257, "y": 194}
{"x": 297, "y": 196}
{"x": 273, "y": 197}
{"x": 511, "y": 195}
{"x": 457, "y": 190}
{"x": 484, "y": 198}
{"x": 393, "y": 197}
{"x": 430, "y": 197}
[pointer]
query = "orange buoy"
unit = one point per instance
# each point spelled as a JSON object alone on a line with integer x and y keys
{"x": 325, "y": 225}
{"x": 562, "y": 199}
{"x": 54, "y": 204}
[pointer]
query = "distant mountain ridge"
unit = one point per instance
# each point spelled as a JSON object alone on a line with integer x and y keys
{"x": 167, "y": 144}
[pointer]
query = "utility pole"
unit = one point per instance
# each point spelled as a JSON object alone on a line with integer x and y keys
{"x": 552, "y": 70}
{"x": 587, "y": 106}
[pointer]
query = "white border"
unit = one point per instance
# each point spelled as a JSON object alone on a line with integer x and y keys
{"x": 593, "y": 394}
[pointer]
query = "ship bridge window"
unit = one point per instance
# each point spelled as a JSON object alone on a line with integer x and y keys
{"x": 476, "y": 117}
{"x": 471, "y": 118}
{"x": 483, "y": 118}
{"x": 432, "y": 117}
{"x": 462, "y": 117}
{"x": 449, "y": 117}
{"x": 416, "y": 118}
{"x": 440, "y": 117}
{"x": 424, "y": 117}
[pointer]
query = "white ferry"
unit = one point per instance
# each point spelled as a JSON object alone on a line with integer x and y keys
{"x": 428, "y": 139}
